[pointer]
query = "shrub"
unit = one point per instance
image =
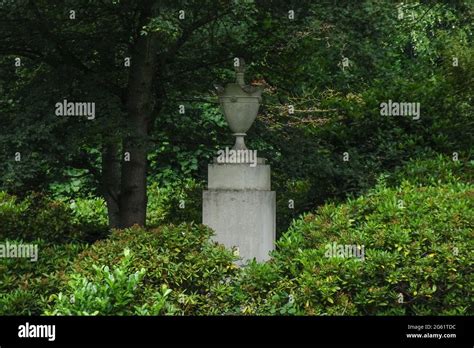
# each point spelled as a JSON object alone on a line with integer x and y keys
{"x": 25, "y": 286}
{"x": 175, "y": 269}
{"x": 418, "y": 259}
{"x": 181, "y": 202}
{"x": 11, "y": 210}
{"x": 111, "y": 292}
{"x": 434, "y": 171}
{"x": 415, "y": 228}
{"x": 48, "y": 220}
{"x": 38, "y": 217}
{"x": 90, "y": 217}
{"x": 185, "y": 203}
{"x": 91, "y": 210}
{"x": 293, "y": 200}
{"x": 85, "y": 219}
{"x": 157, "y": 206}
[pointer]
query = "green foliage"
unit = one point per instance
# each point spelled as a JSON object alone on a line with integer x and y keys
{"x": 410, "y": 223}
{"x": 157, "y": 206}
{"x": 75, "y": 183}
{"x": 90, "y": 215}
{"x": 25, "y": 286}
{"x": 434, "y": 171}
{"x": 36, "y": 217}
{"x": 337, "y": 110}
{"x": 417, "y": 241}
{"x": 39, "y": 217}
{"x": 11, "y": 208}
{"x": 174, "y": 269}
{"x": 416, "y": 237}
{"x": 293, "y": 199}
{"x": 89, "y": 210}
{"x": 185, "y": 202}
{"x": 177, "y": 203}
{"x": 187, "y": 143}
{"x": 69, "y": 219}
{"x": 110, "y": 292}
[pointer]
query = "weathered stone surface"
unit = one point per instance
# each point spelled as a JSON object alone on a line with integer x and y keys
{"x": 238, "y": 177}
{"x": 242, "y": 218}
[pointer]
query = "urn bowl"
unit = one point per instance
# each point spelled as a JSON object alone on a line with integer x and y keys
{"x": 240, "y": 107}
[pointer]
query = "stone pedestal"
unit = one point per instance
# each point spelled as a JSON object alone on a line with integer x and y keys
{"x": 241, "y": 208}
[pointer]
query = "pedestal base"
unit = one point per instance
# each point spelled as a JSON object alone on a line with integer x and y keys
{"x": 242, "y": 218}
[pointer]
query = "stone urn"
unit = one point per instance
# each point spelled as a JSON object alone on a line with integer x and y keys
{"x": 239, "y": 103}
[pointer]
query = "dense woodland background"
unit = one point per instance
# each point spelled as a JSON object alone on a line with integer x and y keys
{"x": 71, "y": 184}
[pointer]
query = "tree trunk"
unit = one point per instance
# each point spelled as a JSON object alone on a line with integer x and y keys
{"x": 111, "y": 183}
{"x": 133, "y": 198}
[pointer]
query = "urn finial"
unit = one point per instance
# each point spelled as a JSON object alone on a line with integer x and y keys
{"x": 240, "y": 71}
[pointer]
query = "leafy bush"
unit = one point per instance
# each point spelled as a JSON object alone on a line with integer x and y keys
{"x": 90, "y": 215}
{"x": 11, "y": 209}
{"x": 434, "y": 171}
{"x": 177, "y": 203}
{"x": 85, "y": 219}
{"x": 157, "y": 205}
{"x": 415, "y": 228}
{"x": 171, "y": 269}
{"x": 110, "y": 292}
{"x": 25, "y": 286}
{"x": 185, "y": 203}
{"x": 38, "y": 217}
{"x": 89, "y": 211}
{"x": 418, "y": 259}
{"x": 292, "y": 200}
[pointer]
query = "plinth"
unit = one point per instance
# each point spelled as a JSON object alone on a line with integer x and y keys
{"x": 241, "y": 208}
